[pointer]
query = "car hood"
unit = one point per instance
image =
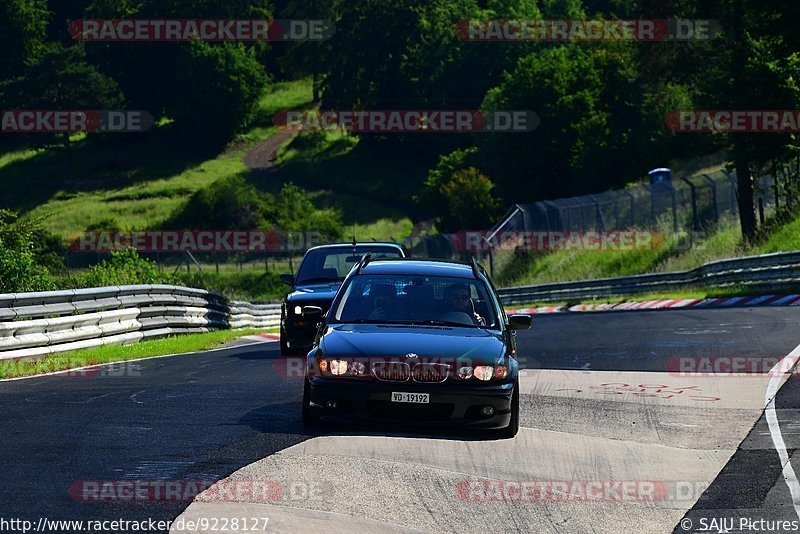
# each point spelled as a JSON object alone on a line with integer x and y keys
{"x": 314, "y": 292}
{"x": 391, "y": 341}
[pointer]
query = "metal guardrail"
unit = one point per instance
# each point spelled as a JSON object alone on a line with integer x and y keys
{"x": 38, "y": 324}
{"x": 765, "y": 271}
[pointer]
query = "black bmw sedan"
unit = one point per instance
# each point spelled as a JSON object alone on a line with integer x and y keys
{"x": 320, "y": 274}
{"x": 415, "y": 341}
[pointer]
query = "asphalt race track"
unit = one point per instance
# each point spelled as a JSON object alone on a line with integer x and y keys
{"x": 615, "y": 438}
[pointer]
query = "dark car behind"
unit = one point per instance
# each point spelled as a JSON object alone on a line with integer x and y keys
{"x": 318, "y": 278}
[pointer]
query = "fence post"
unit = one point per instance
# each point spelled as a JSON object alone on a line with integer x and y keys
{"x": 734, "y": 196}
{"x": 693, "y": 192}
{"x": 633, "y": 206}
{"x": 674, "y": 209}
{"x": 598, "y": 213}
{"x": 542, "y": 209}
{"x": 713, "y": 185}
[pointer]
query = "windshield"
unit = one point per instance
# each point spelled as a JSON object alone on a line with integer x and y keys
{"x": 408, "y": 299}
{"x": 333, "y": 264}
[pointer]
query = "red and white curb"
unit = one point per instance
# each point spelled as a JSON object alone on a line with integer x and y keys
{"x": 725, "y": 302}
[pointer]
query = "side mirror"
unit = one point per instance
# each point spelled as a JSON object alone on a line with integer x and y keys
{"x": 519, "y": 322}
{"x": 287, "y": 279}
{"x": 313, "y": 313}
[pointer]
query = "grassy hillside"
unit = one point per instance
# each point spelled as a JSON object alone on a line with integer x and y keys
{"x": 723, "y": 241}
{"x": 138, "y": 184}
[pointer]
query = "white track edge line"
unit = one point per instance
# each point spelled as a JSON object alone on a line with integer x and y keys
{"x": 787, "y": 363}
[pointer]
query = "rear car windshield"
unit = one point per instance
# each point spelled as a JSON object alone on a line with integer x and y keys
{"x": 416, "y": 299}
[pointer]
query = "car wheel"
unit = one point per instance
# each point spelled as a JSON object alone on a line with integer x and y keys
{"x": 309, "y": 417}
{"x": 513, "y": 425}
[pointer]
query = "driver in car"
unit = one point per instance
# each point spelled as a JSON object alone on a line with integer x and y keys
{"x": 456, "y": 297}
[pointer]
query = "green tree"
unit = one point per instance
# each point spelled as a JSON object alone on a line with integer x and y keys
{"x": 756, "y": 67}
{"x": 589, "y": 138}
{"x": 22, "y": 34}
{"x": 215, "y": 89}
{"x": 61, "y": 79}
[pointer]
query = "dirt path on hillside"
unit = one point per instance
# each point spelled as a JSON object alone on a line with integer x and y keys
{"x": 262, "y": 156}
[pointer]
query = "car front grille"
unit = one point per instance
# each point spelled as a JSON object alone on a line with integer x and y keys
{"x": 430, "y": 372}
{"x": 391, "y": 371}
{"x": 426, "y": 373}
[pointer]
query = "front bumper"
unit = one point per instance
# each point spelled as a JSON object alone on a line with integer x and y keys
{"x": 370, "y": 400}
{"x": 299, "y": 333}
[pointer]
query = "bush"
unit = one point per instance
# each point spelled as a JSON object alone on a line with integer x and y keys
{"x": 19, "y": 270}
{"x": 124, "y": 268}
{"x": 431, "y": 196}
{"x": 228, "y": 204}
{"x": 295, "y": 212}
{"x": 468, "y": 201}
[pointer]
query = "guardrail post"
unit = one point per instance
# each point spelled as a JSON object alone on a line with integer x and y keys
{"x": 693, "y": 193}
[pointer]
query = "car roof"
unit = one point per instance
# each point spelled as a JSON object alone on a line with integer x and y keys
{"x": 413, "y": 266}
{"x": 357, "y": 245}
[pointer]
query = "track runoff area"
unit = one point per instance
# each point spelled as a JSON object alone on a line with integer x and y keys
{"x": 678, "y": 420}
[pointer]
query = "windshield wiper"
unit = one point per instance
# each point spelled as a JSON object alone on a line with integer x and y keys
{"x": 437, "y": 322}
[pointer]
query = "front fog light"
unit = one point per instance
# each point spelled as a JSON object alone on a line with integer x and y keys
{"x": 338, "y": 367}
{"x": 500, "y": 372}
{"x": 298, "y": 310}
{"x": 465, "y": 372}
{"x": 484, "y": 372}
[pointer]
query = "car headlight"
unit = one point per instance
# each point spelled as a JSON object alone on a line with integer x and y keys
{"x": 358, "y": 369}
{"x": 465, "y": 372}
{"x": 298, "y": 310}
{"x": 484, "y": 372}
{"x": 337, "y": 367}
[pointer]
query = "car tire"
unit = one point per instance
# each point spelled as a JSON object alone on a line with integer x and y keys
{"x": 309, "y": 417}
{"x": 513, "y": 425}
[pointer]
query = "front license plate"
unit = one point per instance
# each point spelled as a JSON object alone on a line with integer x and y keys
{"x": 416, "y": 398}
